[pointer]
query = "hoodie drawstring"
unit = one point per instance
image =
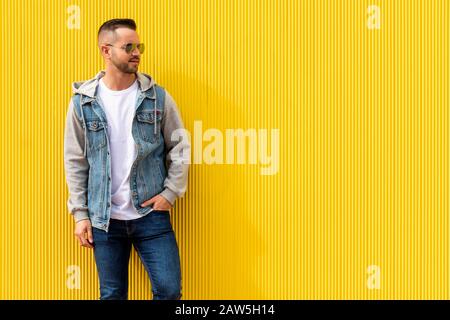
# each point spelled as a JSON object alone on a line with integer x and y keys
{"x": 154, "y": 107}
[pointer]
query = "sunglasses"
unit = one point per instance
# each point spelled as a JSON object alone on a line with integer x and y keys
{"x": 129, "y": 47}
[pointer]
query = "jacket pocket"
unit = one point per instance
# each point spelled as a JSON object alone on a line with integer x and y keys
{"x": 96, "y": 134}
{"x": 146, "y": 123}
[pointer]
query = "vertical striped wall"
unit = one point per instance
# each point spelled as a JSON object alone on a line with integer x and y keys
{"x": 359, "y": 206}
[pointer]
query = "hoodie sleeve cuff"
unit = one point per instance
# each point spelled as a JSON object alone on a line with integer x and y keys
{"x": 169, "y": 195}
{"x": 79, "y": 215}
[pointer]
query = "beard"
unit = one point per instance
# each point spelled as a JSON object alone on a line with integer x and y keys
{"x": 125, "y": 67}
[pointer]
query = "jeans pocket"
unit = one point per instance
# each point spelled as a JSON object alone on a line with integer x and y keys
{"x": 99, "y": 235}
{"x": 161, "y": 211}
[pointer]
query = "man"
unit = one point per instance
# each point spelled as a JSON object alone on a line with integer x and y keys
{"x": 125, "y": 166}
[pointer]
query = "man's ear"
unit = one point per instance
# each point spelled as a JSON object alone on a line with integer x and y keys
{"x": 105, "y": 51}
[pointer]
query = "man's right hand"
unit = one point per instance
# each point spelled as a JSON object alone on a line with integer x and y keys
{"x": 83, "y": 232}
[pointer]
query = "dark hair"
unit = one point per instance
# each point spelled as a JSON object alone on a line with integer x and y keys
{"x": 113, "y": 24}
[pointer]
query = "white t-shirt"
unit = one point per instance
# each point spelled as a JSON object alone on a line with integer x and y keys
{"x": 119, "y": 107}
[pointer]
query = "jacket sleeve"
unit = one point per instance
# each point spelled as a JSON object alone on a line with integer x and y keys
{"x": 76, "y": 165}
{"x": 178, "y": 149}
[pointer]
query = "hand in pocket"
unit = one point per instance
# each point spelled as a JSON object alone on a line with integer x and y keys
{"x": 159, "y": 203}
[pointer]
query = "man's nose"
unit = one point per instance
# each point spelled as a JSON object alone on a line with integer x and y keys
{"x": 136, "y": 52}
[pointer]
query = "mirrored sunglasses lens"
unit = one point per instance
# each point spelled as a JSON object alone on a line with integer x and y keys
{"x": 129, "y": 47}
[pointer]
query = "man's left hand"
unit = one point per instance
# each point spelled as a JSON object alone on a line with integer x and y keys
{"x": 159, "y": 203}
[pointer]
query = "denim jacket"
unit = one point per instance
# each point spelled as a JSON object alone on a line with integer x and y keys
{"x": 162, "y": 162}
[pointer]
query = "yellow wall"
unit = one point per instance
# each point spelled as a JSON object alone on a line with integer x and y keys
{"x": 363, "y": 119}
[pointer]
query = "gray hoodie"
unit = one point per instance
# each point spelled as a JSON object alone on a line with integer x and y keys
{"x": 75, "y": 159}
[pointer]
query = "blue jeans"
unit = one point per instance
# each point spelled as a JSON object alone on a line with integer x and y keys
{"x": 154, "y": 240}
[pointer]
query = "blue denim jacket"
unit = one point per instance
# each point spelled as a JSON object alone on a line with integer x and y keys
{"x": 157, "y": 169}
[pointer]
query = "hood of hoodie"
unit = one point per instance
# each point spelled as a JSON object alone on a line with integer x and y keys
{"x": 88, "y": 87}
